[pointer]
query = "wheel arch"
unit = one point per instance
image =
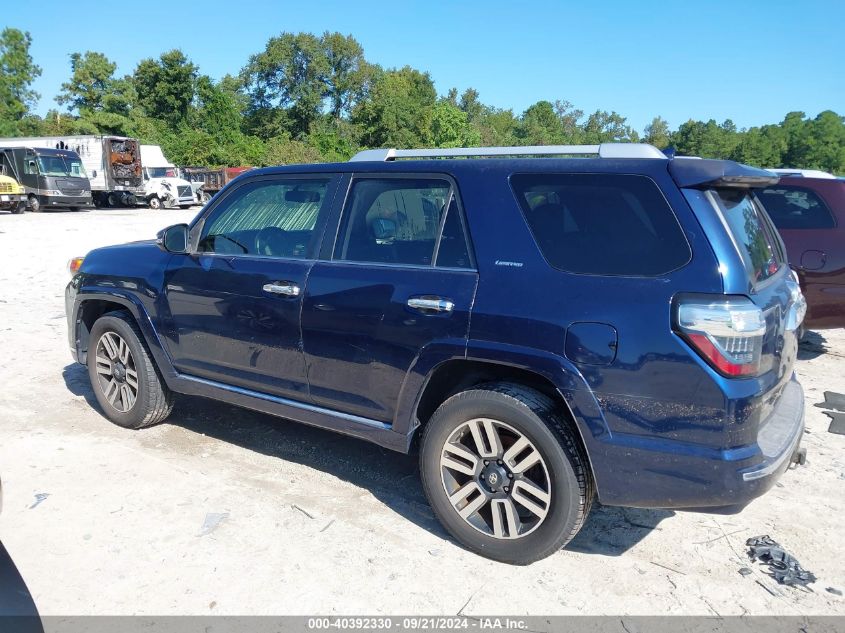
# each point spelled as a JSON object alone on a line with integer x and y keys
{"x": 578, "y": 407}
{"x": 92, "y": 305}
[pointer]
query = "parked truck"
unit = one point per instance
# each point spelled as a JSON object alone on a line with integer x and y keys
{"x": 213, "y": 180}
{"x": 51, "y": 178}
{"x": 112, "y": 163}
{"x": 162, "y": 185}
{"x": 12, "y": 194}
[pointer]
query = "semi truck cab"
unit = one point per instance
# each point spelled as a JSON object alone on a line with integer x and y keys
{"x": 162, "y": 185}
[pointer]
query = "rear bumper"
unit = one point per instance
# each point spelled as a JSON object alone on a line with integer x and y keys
{"x": 642, "y": 472}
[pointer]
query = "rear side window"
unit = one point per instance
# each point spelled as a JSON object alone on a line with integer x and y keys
{"x": 409, "y": 221}
{"x": 795, "y": 208}
{"x": 757, "y": 245}
{"x": 602, "y": 224}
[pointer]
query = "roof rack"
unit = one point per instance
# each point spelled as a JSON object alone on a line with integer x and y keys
{"x": 604, "y": 150}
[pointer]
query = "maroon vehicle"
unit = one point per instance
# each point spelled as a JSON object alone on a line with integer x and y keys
{"x": 808, "y": 208}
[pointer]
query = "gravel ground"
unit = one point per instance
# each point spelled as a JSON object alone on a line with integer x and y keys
{"x": 224, "y": 511}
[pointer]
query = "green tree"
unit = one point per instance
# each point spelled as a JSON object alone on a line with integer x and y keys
{"x": 450, "y": 127}
{"x": 349, "y": 76}
{"x": 541, "y": 125}
{"x": 657, "y": 132}
{"x": 290, "y": 74}
{"x": 826, "y": 139}
{"x": 399, "y": 111}
{"x": 166, "y": 87}
{"x": 17, "y": 73}
{"x": 92, "y": 76}
{"x": 498, "y": 128}
{"x": 608, "y": 127}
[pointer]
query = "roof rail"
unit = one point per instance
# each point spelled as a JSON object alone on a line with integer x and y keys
{"x": 605, "y": 150}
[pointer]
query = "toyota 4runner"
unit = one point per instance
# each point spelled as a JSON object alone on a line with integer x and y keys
{"x": 600, "y": 323}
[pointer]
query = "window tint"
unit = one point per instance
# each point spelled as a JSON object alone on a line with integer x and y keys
{"x": 758, "y": 247}
{"x": 453, "y": 250}
{"x": 268, "y": 218}
{"x": 394, "y": 220}
{"x": 603, "y": 224}
{"x": 795, "y": 208}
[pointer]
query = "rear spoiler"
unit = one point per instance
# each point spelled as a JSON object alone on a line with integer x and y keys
{"x": 707, "y": 172}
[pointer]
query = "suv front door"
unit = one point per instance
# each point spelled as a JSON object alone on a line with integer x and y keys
{"x": 235, "y": 300}
{"x": 398, "y": 285}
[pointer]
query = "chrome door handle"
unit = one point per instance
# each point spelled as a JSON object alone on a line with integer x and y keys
{"x": 432, "y": 304}
{"x": 285, "y": 288}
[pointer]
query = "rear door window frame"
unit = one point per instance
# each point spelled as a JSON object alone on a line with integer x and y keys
{"x": 330, "y": 246}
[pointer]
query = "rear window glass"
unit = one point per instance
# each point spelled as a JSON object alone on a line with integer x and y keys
{"x": 602, "y": 224}
{"x": 757, "y": 246}
{"x": 795, "y": 208}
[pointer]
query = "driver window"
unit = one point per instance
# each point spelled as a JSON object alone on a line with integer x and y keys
{"x": 268, "y": 218}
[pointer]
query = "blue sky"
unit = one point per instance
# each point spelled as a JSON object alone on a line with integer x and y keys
{"x": 749, "y": 61}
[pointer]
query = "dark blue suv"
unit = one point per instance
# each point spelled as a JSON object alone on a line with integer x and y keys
{"x": 602, "y": 322}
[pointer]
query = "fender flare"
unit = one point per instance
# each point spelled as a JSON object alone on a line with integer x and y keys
{"x": 141, "y": 316}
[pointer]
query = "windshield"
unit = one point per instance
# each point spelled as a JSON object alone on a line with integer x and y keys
{"x": 161, "y": 172}
{"x": 61, "y": 166}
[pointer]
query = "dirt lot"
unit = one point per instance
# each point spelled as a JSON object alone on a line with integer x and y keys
{"x": 301, "y": 521}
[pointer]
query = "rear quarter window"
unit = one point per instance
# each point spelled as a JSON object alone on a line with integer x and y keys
{"x": 602, "y": 224}
{"x": 757, "y": 245}
{"x": 792, "y": 207}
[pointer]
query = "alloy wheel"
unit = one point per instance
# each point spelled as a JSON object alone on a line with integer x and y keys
{"x": 495, "y": 478}
{"x": 116, "y": 372}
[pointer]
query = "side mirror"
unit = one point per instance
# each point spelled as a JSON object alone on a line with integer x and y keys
{"x": 94, "y": 174}
{"x": 173, "y": 239}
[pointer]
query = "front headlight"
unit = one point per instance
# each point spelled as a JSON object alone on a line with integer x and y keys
{"x": 74, "y": 265}
{"x": 52, "y": 192}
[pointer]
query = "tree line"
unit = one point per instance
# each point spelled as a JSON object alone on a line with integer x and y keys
{"x": 308, "y": 98}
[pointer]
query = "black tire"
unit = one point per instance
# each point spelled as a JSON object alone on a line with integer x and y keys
{"x": 113, "y": 200}
{"x": 185, "y": 206}
{"x": 34, "y": 204}
{"x": 154, "y": 400}
{"x": 18, "y": 208}
{"x": 74, "y": 209}
{"x": 155, "y": 202}
{"x": 537, "y": 418}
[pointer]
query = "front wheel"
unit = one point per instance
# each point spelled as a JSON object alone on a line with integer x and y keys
{"x": 155, "y": 202}
{"x": 20, "y": 207}
{"x": 185, "y": 206}
{"x": 34, "y": 204}
{"x": 125, "y": 382}
{"x": 504, "y": 473}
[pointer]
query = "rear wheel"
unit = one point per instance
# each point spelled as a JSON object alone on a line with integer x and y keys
{"x": 113, "y": 200}
{"x": 34, "y": 204}
{"x": 504, "y": 473}
{"x": 125, "y": 382}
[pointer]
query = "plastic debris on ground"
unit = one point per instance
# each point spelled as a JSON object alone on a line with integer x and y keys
{"x": 784, "y": 567}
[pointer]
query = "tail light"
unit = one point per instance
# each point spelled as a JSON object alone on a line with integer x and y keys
{"x": 727, "y": 333}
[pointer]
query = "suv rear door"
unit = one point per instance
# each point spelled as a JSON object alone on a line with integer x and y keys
{"x": 235, "y": 301}
{"x": 397, "y": 284}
